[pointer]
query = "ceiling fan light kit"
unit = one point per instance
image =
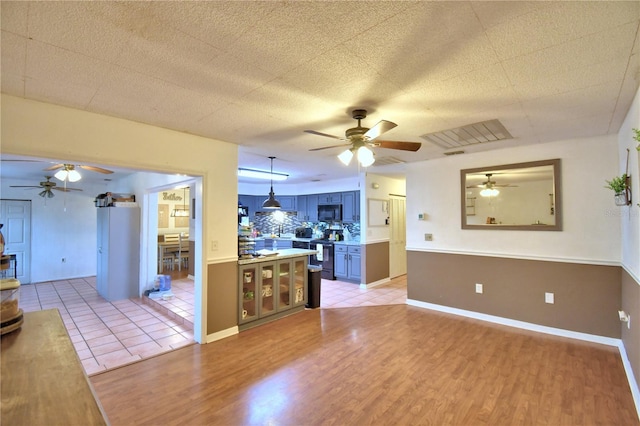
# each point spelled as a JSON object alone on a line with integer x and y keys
{"x": 271, "y": 202}
{"x": 346, "y": 156}
{"x": 365, "y": 156}
{"x": 362, "y": 139}
{"x": 71, "y": 175}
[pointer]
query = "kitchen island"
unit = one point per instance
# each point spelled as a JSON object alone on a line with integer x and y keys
{"x": 272, "y": 286}
{"x": 43, "y": 382}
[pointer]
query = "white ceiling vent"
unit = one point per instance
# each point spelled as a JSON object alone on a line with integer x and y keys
{"x": 385, "y": 161}
{"x": 471, "y": 134}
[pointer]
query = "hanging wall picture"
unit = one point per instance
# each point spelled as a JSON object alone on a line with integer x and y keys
{"x": 163, "y": 215}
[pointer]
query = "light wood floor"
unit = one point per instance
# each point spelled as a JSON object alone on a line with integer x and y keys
{"x": 381, "y": 365}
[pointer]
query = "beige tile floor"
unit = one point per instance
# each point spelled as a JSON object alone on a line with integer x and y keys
{"x": 340, "y": 294}
{"x": 180, "y": 307}
{"x": 106, "y": 334}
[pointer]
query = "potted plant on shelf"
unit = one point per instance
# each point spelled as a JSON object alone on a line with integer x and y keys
{"x": 619, "y": 185}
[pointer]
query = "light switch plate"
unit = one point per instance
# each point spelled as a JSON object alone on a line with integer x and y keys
{"x": 479, "y": 288}
{"x": 548, "y": 298}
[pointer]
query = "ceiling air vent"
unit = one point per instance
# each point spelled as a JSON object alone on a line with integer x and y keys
{"x": 471, "y": 134}
{"x": 385, "y": 161}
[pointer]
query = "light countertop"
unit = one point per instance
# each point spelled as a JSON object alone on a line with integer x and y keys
{"x": 281, "y": 254}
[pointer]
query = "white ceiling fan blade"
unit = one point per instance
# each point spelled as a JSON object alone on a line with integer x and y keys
{"x": 381, "y": 127}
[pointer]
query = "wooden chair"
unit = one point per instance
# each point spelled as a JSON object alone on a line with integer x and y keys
{"x": 170, "y": 257}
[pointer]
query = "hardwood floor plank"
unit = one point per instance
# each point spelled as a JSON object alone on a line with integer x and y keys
{"x": 376, "y": 365}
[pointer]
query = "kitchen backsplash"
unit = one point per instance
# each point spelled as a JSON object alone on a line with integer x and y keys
{"x": 266, "y": 223}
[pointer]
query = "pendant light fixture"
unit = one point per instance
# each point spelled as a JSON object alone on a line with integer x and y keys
{"x": 184, "y": 211}
{"x": 271, "y": 202}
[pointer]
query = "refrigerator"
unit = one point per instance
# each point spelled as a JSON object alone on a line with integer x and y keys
{"x": 118, "y": 274}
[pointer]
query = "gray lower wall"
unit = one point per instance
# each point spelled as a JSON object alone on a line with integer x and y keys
{"x": 587, "y": 297}
{"x": 376, "y": 262}
{"x": 222, "y": 296}
{"x": 631, "y": 336}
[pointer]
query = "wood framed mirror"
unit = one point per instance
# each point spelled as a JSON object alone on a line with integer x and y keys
{"x": 521, "y": 196}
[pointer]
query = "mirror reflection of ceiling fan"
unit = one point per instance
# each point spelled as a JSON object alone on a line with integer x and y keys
{"x": 47, "y": 188}
{"x": 69, "y": 172}
{"x": 489, "y": 186}
{"x": 362, "y": 139}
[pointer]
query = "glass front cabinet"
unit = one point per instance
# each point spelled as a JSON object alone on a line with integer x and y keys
{"x": 268, "y": 288}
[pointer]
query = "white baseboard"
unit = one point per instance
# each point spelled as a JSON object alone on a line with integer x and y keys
{"x": 518, "y": 324}
{"x": 635, "y": 392}
{"x": 375, "y": 283}
{"x": 222, "y": 334}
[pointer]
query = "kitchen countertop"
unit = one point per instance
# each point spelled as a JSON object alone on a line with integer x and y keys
{"x": 307, "y": 240}
{"x": 281, "y": 254}
{"x": 43, "y": 381}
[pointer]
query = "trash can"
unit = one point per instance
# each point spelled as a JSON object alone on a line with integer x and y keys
{"x": 314, "y": 280}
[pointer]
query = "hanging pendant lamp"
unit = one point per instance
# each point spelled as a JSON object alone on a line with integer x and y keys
{"x": 271, "y": 202}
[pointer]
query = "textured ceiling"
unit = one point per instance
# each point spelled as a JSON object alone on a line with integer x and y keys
{"x": 259, "y": 73}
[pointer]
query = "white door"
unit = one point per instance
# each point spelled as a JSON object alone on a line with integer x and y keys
{"x": 16, "y": 217}
{"x": 397, "y": 237}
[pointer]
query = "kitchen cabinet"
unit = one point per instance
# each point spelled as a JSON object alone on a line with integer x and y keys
{"x": 351, "y": 206}
{"x": 247, "y": 201}
{"x": 118, "y": 262}
{"x": 347, "y": 262}
{"x": 271, "y": 287}
{"x": 312, "y": 208}
{"x": 307, "y": 206}
{"x": 302, "y": 208}
{"x": 332, "y": 198}
{"x": 287, "y": 202}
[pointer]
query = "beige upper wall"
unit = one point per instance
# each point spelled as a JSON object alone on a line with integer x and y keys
{"x": 631, "y": 215}
{"x": 591, "y": 221}
{"x": 49, "y": 131}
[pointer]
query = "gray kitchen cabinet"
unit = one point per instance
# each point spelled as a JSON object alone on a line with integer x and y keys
{"x": 351, "y": 206}
{"x": 302, "y": 208}
{"x": 332, "y": 198}
{"x": 347, "y": 262}
{"x": 247, "y": 201}
{"x": 312, "y": 208}
{"x": 269, "y": 288}
{"x": 287, "y": 202}
{"x": 118, "y": 262}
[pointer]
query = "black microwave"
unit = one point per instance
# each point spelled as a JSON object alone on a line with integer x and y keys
{"x": 330, "y": 212}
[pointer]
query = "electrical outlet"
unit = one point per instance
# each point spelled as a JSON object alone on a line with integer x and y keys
{"x": 548, "y": 298}
{"x": 479, "y": 288}
{"x": 214, "y": 245}
{"x": 428, "y": 237}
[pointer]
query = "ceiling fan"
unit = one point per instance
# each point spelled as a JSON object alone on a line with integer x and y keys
{"x": 47, "y": 186}
{"x": 362, "y": 139}
{"x": 68, "y": 171}
{"x": 490, "y": 183}
{"x": 489, "y": 187}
